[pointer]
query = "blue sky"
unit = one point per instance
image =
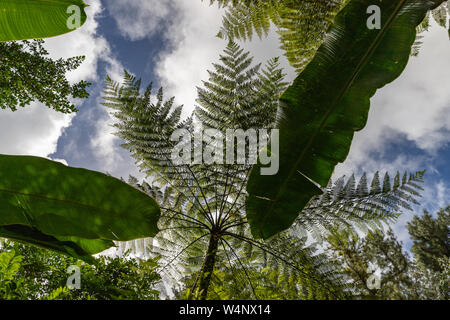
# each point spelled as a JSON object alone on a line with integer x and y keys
{"x": 173, "y": 43}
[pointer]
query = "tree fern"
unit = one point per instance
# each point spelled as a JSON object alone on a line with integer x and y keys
{"x": 301, "y": 24}
{"x": 203, "y": 221}
{"x": 238, "y": 95}
{"x": 441, "y": 15}
{"x": 354, "y": 206}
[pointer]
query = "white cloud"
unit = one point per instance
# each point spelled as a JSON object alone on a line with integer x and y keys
{"x": 64, "y": 162}
{"x": 138, "y": 19}
{"x": 33, "y": 130}
{"x": 104, "y": 144}
{"x": 442, "y": 192}
{"x": 195, "y": 47}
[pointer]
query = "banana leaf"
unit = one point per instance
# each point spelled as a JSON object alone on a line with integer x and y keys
{"x": 36, "y": 19}
{"x": 73, "y": 246}
{"x": 71, "y": 210}
{"x": 327, "y": 103}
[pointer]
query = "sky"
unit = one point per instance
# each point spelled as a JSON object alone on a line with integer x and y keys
{"x": 172, "y": 43}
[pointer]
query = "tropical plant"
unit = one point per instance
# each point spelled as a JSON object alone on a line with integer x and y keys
{"x": 9, "y": 266}
{"x": 73, "y": 211}
{"x": 203, "y": 224}
{"x": 34, "y": 274}
{"x": 226, "y": 207}
{"x": 301, "y": 24}
{"x": 33, "y": 19}
{"x": 208, "y": 196}
{"x": 70, "y": 210}
{"x": 285, "y": 268}
{"x": 43, "y": 202}
{"x": 345, "y": 205}
{"x": 327, "y": 103}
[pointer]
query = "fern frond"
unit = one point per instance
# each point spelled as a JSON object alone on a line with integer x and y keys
{"x": 353, "y": 206}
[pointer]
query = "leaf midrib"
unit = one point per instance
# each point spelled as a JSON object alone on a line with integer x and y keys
{"x": 339, "y": 97}
{"x": 38, "y": 196}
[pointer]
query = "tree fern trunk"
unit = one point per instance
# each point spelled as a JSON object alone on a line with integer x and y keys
{"x": 207, "y": 267}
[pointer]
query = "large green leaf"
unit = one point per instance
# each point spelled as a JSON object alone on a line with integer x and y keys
{"x": 36, "y": 19}
{"x": 72, "y": 210}
{"x": 73, "y": 246}
{"x": 327, "y": 103}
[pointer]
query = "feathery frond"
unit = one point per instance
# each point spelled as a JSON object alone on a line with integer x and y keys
{"x": 205, "y": 237}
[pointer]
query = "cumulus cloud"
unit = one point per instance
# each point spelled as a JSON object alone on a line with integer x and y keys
{"x": 194, "y": 47}
{"x": 32, "y": 131}
{"x": 82, "y": 42}
{"x": 106, "y": 145}
{"x": 138, "y": 19}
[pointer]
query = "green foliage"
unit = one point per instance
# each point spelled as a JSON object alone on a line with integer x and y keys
{"x": 27, "y": 75}
{"x": 203, "y": 225}
{"x": 351, "y": 205}
{"x": 441, "y": 15}
{"x": 284, "y": 268}
{"x": 430, "y": 237}
{"x": 357, "y": 256}
{"x": 444, "y": 278}
{"x": 208, "y": 223}
{"x": 74, "y": 211}
{"x": 301, "y": 25}
{"x": 205, "y": 244}
{"x": 327, "y": 104}
{"x": 36, "y": 274}
{"x": 9, "y": 266}
{"x": 400, "y": 276}
{"x": 32, "y": 19}
{"x": 346, "y": 204}
{"x": 238, "y": 96}
{"x": 242, "y": 20}
{"x": 144, "y": 124}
